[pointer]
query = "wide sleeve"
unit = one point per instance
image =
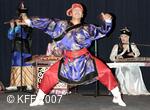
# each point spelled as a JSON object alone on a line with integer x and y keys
{"x": 114, "y": 53}
{"x": 100, "y": 32}
{"x": 135, "y": 50}
{"x": 41, "y": 23}
{"x": 13, "y": 31}
{"x": 52, "y": 27}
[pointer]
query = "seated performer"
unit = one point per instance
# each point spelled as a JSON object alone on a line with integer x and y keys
{"x": 129, "y": 77}
{"x": 77, "y": 66}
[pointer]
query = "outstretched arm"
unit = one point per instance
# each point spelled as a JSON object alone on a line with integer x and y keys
{"x": 40, "y": 23}
{"x": 52, "y": 27}
{"x": 100, "y": 32}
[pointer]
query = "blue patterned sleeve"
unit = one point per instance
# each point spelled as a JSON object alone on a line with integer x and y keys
{"x": 11, "y": 34}
{"x": 99, "y": 32}
{"x": 40, "y": 23}
{"x": 45, "y": 24}
{"x": 13, "y": 31}
{"x": 52, "y": 27}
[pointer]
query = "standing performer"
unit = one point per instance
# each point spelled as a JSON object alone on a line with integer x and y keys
{"x": 21, "y": 43}
{"x": 20, "y": 37}
{"x": 77, "y": 66}
{"x": 129, "y": 77}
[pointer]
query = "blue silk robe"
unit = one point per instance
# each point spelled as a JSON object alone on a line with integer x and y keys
{"x": 77, "y": 70}
{"x": 15, "y": 35}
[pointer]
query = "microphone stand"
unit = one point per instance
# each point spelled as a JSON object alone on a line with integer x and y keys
{"x": 96, "y": 91}
{"x": 21, "y": 68}
{"x": 97, "y": 82}
{"x": 22, "y": 88}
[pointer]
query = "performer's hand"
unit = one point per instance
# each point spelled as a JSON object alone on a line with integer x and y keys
{"x": 12, "y": 24}
{"x": 106, "y": 16}
{"x": 119, "y": 57}
{"x": 24, "y": 17}
{"x": 19, "y": 22}
{"x": 131, "y": 54}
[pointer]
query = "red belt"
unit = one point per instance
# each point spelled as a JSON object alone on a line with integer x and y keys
{"x": 75, "y": 54}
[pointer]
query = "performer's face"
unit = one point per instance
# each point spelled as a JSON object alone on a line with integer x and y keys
{"x": 124, "y": 38}
{"x": 23, "y": 15}
{"x": 77, "y": 13}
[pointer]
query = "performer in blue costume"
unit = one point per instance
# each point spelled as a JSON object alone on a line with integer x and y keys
{"x": 21, "y": 44}
{"x": 77, "y": 66}
{"x": 21, "y": 39}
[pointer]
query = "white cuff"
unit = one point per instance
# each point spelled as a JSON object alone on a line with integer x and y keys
{"x": 108, "y": 20}
{"x": 28, "y": 22}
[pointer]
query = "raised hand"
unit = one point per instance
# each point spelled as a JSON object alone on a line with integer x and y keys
{"x": 105, "y": 16}
{"x": 12, "y": 23}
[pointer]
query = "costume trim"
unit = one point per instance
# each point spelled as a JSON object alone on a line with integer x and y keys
{"x": 88, "y": 77}
{"x": 67, "y": 30}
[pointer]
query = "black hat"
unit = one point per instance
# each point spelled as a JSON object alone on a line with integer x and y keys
{"x": 125, "y": 31}
{"x": 22, "y": 8}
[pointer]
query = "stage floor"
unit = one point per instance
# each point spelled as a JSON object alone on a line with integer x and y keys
{"x": 72, "y": 102}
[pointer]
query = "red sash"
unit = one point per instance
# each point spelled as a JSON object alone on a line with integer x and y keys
{"x": 75, "y": 54}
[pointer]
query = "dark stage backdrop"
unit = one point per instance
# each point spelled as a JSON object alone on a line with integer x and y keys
{"x": 132, "y": 13}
